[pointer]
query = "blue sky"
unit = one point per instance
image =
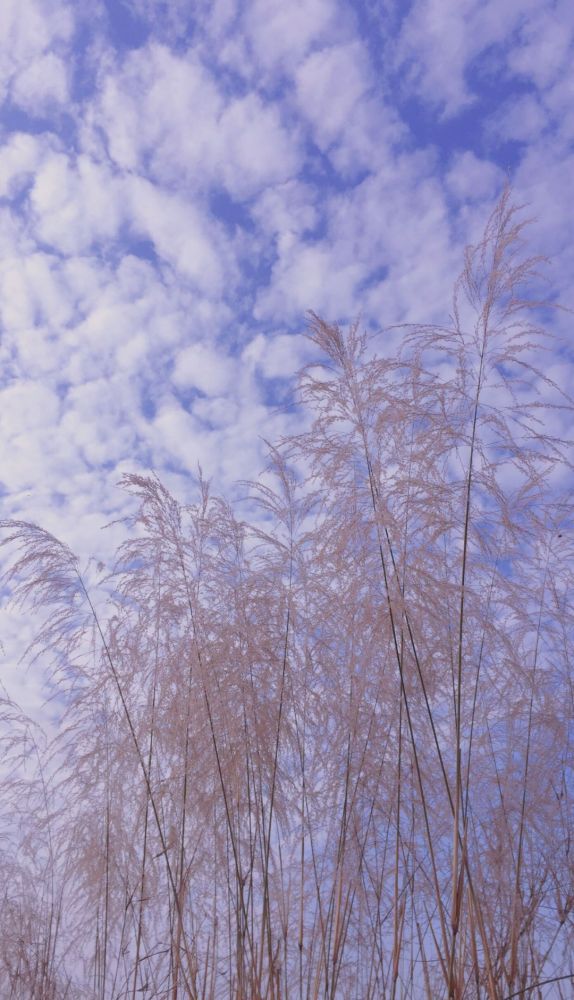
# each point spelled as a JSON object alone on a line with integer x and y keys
{"x": 177, "y": 189}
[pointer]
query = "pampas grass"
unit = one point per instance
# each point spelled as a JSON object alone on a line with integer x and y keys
{"x": 326, "y": 753}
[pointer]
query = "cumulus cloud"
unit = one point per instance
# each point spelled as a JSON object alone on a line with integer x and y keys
{"x": 286, "y": 208}
{"x": 349, "y": 120}
{"x": 19, "y": 158}
{"x": 167, "y": 115}
{"x": 281, "y": 35}
{"x": 178, "y": 188}
{"x": 180, "y": 231}
{"x": 26, "y": 406}
{"x": 330, "y": 84}
{"x": 33, "y": 35}
{"x": 521, "y": 119}
{"x": 471, "y": 178}
{"x": 43, "y": 83}
{"x": 439, "y": 42}
{"x": 314, "y": 273}
{"x": 203, "y": 367}
{"x": 278, "y": 355}
{"x": 545, "y": 44}
{"x": 75, "y": 202}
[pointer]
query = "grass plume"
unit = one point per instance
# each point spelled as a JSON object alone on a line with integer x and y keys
{"x": 326, "y": 753}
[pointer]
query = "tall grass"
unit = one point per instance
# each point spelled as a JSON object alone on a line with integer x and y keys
{"x": 326, "y": 753}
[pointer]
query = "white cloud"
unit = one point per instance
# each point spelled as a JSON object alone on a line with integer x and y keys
{"x": 439, "y": 40}
{"x": 281, "y": 35}
{"x": 278, "y": 356}
{"x": 18, "y": 161}
{"x": 16, "y": 308}
{"x": 84, "y": 342}
{"x": 14, "y": 234}
{"x": 177, "y": 437}
{"x": 99, "y": 423}
{"x": 220, "y": 411}
{"x": 472, "y": 179}
{"x": 159, "y": 106}
{"x": 395, "y": 220}
{"x": 47, "y": 291}
{"x": 27, "y": 32}
{"x": 314, "y": 277}
{"x": 541, "y": 182}
{"x": 329, "y": 85}
{"x": 349, "y": 120}
{"x": 522, "y": 119}
{"x": 201, "y": 366}
{"x": 166, "y": 114}
{"x": 76, "y": 202}
{"x": 219, "y": 18}
{"x": 169, "y": 21}
{"x": 101, "y": 351}
{"x": 545, "y": 48}
{"x": 181, "y": 233}
{"x": 286, "y": 208}
{"x": 252, "y": 148}
{"x": 26, "y": 406}
{"x": 42, "y": 83}
{"x": 42, "y": 300}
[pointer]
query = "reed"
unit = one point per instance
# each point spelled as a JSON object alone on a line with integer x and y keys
{"x": 326, "y": 752}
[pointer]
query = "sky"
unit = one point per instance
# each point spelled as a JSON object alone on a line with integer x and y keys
{"x": 180, "y": 182}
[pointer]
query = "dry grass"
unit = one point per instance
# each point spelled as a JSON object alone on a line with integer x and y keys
{"x": 326, "y": 754}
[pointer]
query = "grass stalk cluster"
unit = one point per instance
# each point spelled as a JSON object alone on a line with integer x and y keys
{"x": 326, "y": 752}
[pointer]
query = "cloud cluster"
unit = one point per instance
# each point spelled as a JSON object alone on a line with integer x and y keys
{"x": 178, "y": 186}
{"x": 35, "y": 43}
